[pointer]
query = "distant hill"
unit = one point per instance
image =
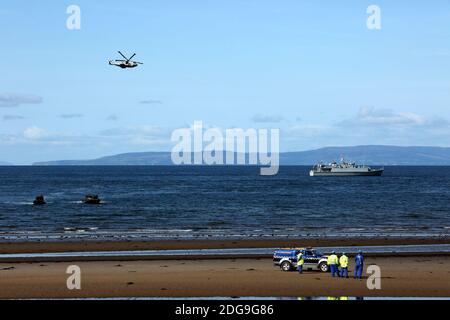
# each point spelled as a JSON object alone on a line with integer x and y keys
{"x": 3, "y": 163}
{"x": 124, "y": 159}
{"x": 381, "y": 155}
{"x": 371, "y": 155}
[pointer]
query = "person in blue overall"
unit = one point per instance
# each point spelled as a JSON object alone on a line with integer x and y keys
{"x": 359, "y": 265}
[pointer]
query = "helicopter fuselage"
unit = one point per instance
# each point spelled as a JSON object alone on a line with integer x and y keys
{"x": 123, "y": 64}
{"x": 127, "y": 63}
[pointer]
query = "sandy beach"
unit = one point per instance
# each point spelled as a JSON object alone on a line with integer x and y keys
{"x": 401, "y": 276}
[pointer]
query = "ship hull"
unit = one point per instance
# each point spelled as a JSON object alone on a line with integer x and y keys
{"x": 372, "y": 173}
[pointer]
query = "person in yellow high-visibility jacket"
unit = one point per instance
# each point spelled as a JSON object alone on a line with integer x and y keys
{"x": 343, "y": 261}
{"x": 300, "y": 262}
{"x": 333, "y": 262}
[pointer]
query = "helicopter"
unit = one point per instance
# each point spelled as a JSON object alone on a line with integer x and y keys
{"x": 127, "y": 63}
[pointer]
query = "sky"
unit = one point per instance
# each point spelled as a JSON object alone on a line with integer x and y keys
{"x": 312, "y": 69}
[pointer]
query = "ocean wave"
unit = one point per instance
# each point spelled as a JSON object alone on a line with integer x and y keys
{"x": 79, "y": 229}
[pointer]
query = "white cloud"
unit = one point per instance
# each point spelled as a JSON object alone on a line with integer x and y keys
{"x": 145, "y": 130}
{"x": 8, "y": 138}
{"x": 38, "y": 136}
{"x": 112, "y": 117}
{"x": 370, "y": 116}
{"x": 138, "y": 135}
{"x": 72, "y": 116}
{"x": 309, "y": 130}
{"x": 260, "y": 118}
{"x": 34, "y": 133}
{"x": 14, "y": 99}
{"x": 370, "y": 126}
{"x": 367, "y": 126}
{"x": 149, "y": 141}
{"x": 150, "y": 101}
{"x": 7, "y": 117}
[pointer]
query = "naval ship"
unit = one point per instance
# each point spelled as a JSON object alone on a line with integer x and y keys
{"x": 344, "y": 169}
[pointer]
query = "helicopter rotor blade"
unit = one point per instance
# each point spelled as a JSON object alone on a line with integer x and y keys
{"x": 132, "y": 56}
{"x": 123, "y": 56}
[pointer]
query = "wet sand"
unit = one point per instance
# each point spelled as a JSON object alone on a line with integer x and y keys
{"x": 92, "y": 245}
{"x": 401, "y": 276}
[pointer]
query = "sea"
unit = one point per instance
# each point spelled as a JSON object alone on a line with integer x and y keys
{"x": 220, "y": 202}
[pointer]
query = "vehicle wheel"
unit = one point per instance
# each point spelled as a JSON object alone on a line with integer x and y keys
{"x": 323, "y": 267}
{"x": 285, "y": 266}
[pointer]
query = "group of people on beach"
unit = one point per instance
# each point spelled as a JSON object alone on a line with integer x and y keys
{"x": 338, "y": 266}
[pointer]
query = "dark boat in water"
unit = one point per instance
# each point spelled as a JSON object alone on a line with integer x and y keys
{"x": 39, "y": 200}
{"x": 91, "y": 199}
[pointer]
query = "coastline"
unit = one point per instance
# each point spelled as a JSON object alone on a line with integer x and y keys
{"x": 182, "y": 244}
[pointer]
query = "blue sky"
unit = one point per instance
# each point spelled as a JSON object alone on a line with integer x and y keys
{"x": 310, "y": 68}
